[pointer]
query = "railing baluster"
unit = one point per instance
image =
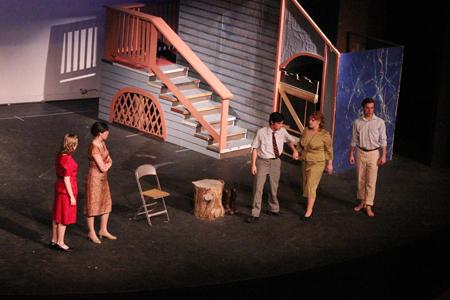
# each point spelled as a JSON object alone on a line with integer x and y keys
{"x": 147, "y": 43}
{"x": 109, "y": 35}
{"x": 153, "y": 45}
{"x": 126, "y": 34}
{"x": 114, "y": 24}
{"x": 132, "y": 33}
{"x": 123, "y": 35}
{"x": 141, "y": 39}
{"x": 131, "y": 41}
{"x": 137, "y": 39}
{"x": 119, "y": 34}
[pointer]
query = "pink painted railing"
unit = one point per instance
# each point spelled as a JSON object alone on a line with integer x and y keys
{"x": 131, "y": 37}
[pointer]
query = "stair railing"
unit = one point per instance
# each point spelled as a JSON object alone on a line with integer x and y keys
{"x": 131, "y": 37}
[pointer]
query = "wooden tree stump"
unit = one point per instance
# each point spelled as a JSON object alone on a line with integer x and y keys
{"x": 208, "y": 199}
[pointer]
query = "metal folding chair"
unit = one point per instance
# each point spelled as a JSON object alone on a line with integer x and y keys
{"x": 153, "y": 198}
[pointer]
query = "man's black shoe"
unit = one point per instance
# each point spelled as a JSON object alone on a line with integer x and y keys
{"x": 274, "y": 213}
{"x": 252, "y": 219}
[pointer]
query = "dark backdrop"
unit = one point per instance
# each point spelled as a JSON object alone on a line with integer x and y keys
{"x": 422, "y": 128}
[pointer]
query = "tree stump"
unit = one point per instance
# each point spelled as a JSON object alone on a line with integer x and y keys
{"x": 208, "y": 199}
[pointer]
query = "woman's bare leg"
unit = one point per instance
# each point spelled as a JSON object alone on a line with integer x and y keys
{"x": 54, "y": 232}
{"x": 310, "y": 207}
{"x": 92, "y": 235}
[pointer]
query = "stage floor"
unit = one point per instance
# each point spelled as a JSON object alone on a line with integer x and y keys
{"x": 403, "y": 251}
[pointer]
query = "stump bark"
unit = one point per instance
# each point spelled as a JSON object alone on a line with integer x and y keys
{"x": 208, "y": 199}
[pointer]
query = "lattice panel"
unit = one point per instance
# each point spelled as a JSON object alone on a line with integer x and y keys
{"x": 133, "y": 109}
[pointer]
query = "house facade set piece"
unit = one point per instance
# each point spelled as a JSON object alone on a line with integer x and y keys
{"x": 205, "y": 75}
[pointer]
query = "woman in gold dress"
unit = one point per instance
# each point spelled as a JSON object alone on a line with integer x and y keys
{"x": 98, "y": 196}
{"x": 317, "y": 148}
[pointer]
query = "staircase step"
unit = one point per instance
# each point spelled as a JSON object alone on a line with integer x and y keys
{"x": 193, "y": 95}
{"x": 182, "y": 82}
{"x": 233, "y": 133}
{"x": 172, "y": 71}
{"x": 211, "y": 119}
{"x": 231, "y": 146}
{"x": 202, "y": 107}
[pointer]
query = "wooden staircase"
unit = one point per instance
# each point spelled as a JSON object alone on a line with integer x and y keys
{"x": 199, "y": 108}
{"x": 202, "y": 100}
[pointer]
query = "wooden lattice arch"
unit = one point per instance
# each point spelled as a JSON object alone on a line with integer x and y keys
{"x": 137, "y": 108}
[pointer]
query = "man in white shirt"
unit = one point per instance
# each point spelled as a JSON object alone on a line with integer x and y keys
{"x": 267, "y": 148}
{"x": 368, "y": 137}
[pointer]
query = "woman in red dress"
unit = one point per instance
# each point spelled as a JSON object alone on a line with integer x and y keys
{"x": 66, "y": 192}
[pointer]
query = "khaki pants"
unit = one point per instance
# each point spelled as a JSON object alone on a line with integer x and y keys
{"x": 312, "y": 173}
{"x": 266, "y": 167}
{"x": 367, "y": 169}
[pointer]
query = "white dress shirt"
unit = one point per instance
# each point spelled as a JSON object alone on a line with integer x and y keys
{"x": 263, "y": 141}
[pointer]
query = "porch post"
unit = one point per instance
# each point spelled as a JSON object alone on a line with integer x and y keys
{"x": 278, "y": 57}
{"x": 223, "y": 125}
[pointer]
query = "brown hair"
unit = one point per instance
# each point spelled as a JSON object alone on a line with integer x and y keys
{"x": 318, "y": 116}
{"x": 69, "y": 143}
{"x": 367, "y": 101}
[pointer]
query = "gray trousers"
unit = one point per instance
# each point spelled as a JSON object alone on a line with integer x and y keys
{"x": 266, "y": 167}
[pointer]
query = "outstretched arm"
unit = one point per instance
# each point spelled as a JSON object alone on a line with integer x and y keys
{"x": 294, "y": 150}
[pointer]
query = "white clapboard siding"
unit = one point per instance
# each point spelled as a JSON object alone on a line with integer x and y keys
{"x": 237, "y": 41}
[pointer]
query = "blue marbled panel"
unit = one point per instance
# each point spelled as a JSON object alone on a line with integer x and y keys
{"x": 375, "y": 74}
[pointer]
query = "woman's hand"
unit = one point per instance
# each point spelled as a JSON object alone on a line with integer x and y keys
{"x": 101, "y": 163}
{"x": 330, "y": 168}
{"x": 73, "y": 201}
{"x": 295, "y": 154}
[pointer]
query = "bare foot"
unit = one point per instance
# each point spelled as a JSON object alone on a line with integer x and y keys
{"x": 359, "y": 207}
{"x": 369, "y": 211}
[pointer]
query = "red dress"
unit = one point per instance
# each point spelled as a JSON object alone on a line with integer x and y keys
{"x": 63, "y": 212}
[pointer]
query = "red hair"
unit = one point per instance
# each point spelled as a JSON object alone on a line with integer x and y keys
{"x": 318, "y": 116}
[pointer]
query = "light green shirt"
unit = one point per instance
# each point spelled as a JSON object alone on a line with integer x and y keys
{"x": 316, "y": 147}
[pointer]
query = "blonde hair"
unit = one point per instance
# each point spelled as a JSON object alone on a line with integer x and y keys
{"x": 69, "y": 143}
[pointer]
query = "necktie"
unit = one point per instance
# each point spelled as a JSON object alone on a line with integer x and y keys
{"x": 275, "y": 146}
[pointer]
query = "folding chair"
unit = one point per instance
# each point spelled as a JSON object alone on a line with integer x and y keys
{"x": 150, "y": 208}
